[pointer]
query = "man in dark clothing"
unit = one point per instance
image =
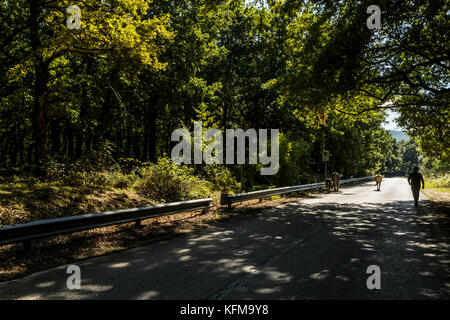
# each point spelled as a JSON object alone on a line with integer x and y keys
{"x": 414, "y": 180}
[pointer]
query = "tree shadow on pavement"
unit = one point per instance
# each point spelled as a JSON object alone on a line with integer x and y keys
{"x": 294, "y": 251}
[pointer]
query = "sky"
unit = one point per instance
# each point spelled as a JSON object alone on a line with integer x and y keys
{"x": 390, "y": 121}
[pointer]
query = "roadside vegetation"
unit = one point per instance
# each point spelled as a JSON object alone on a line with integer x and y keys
{"x": 83, "y": 187}
{"x": 437, "y": 182}
{"x": 440, "y": 184}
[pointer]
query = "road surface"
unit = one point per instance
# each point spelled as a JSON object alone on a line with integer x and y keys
{"x": 318, "y": 248}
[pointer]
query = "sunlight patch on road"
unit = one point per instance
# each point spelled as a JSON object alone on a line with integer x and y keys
{"x": 267, "y": 290}
{"x": 430, "y": 293}
{"x": 182, "y": 250}
{"x": 46, "y": 284}
{"x": 119, "y": 265}
{"x": 95, "y": 288}
{"x": 277, "y": 276}
{"x": 250, "y": 269}
{"x": 322, "y": 275}
{"x": 147, "y": 295}
{"x": 185, "y": 258}
{"x": 30, "y": 297}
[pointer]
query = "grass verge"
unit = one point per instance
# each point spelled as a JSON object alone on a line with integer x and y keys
{"x": 438, "y": 191}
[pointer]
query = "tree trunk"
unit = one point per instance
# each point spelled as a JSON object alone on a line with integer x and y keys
{"x": 20, "y": 145}
{"x": 80, "y": 128}
{"x": 56, "y": 138}
{"x": 128, "y": 146}
{"x": 40, "y": 112}
{"x": 136, "y": 148}
{"x": 106, "y": 114}
{"x": 146, "y": 142}
{"x": 13, "y": 154}
{"x": 152, "y": 136}
{"x": 153, "y": 107}
{"x": 70, "y": 143}
{"x": 3, "y": 151}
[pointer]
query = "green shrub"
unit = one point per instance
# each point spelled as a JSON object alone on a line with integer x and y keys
{"x": 168, "y": 182}
{"x": 440, "y": 182}
{"x": 120, "y": 180}
{"x": 54, "y": 168}
{"x": 220, "y": 178}
{"x": 83, "y": 178}
{"x": 129, "y": 165}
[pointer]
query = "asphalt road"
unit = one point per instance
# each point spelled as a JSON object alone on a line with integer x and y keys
{"x": 318, "y": 248}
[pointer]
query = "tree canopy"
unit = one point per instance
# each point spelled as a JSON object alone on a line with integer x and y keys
{"x": 136, "y": 70}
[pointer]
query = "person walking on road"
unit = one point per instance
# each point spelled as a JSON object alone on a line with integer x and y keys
{"x": 414, "y": 180}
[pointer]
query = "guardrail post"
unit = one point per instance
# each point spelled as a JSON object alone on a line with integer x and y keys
{"x": 229, "y": 207}
{"x": 138, "y": 224}
{"x": 260, "y": 200}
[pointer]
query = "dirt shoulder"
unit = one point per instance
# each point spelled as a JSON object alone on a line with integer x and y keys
{"x": 440, "y": 199}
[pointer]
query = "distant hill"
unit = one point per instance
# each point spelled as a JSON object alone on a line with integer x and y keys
{"x": 399, "y": 135}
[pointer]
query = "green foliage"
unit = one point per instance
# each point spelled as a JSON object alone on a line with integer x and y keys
{"x": 401, "y": 158}
{"x": 294, "y": 158}
{"x": 440, "y": 182}
{"x": 434, "y": 168}
{"x": 220, "y": 178}
{"x": 168, "y": 182}
{"x": 88, "y": 170}
{"x": 129, "y": 165}
{"x": 335, "y": 63}
{"x": 102, "y": 101}
{"x": 410, "y": 156}
{"x": 119, "y": 180}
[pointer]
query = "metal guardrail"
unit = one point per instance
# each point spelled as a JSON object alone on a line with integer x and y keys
{"x": 52, "y": 227}
{"x": 229, "y": 199}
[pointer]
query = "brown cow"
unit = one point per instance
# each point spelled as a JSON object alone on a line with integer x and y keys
{"x": 378, "y": 178}
{"x": 336, "y": 177}
{"x": 328, "y": 184}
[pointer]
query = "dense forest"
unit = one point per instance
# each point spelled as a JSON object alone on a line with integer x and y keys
{"x": 137, "y": 70}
